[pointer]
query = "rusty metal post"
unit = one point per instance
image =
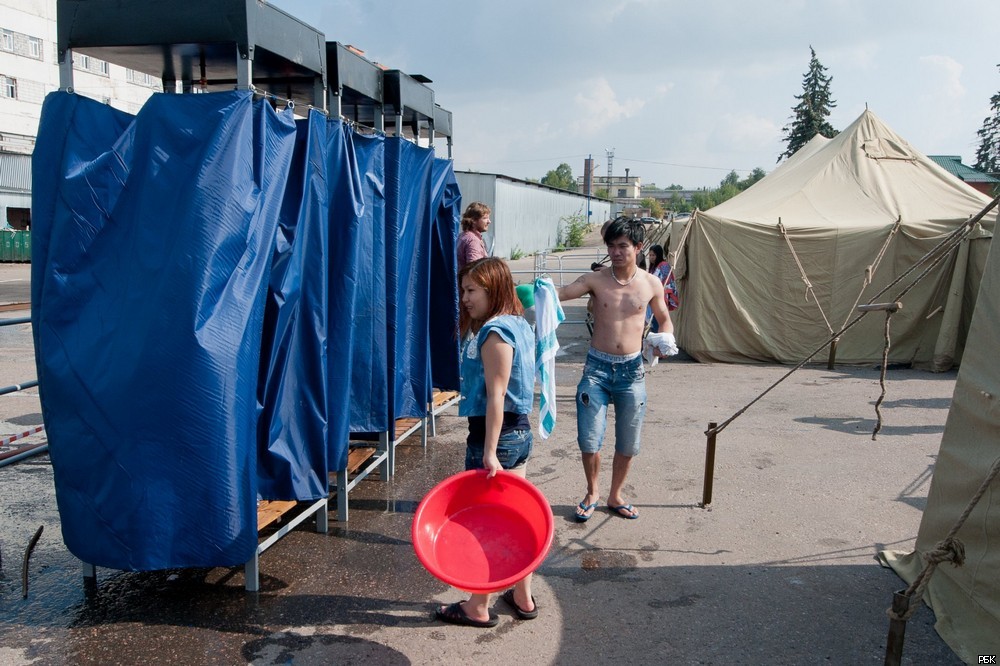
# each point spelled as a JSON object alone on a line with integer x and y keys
{"x": 706, "y": 494}
{"x": 897, "y": 629}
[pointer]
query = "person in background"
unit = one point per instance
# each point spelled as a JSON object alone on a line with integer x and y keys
{"x": 659, "y": 267}
{"x": 475, "y": 222}
{"x": 498, "y": 384}
{"x": 613, "y": 372}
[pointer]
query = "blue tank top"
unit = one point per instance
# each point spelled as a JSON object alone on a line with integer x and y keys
{"x": 516, "y": 332}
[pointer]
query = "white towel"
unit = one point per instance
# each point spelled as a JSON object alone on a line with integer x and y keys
{"x": 548, "y": 315}
{"x": 662, "y": 342}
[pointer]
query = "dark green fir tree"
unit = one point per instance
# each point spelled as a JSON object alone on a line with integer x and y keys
{"x": 988, "y": 154}
{"x": 809, "y": 116}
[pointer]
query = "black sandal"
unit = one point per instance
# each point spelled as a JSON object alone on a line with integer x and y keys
{"x": 508, "y": 597}
{"x": 455, "y": 614}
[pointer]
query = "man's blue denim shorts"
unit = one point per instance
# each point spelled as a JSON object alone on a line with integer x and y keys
{"x": 611, "y": 379}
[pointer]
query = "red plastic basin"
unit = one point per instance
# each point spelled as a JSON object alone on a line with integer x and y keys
{"x": 482, "y": 535}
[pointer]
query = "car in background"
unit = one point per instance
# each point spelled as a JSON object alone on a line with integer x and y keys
{"x": 650, "y": 220}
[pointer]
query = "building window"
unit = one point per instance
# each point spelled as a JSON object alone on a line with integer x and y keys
{"x": 8, "y": 87}
{"x": 103, "y": 66}
{"x": 622, "y": 193}
{"x": 35, "y": 47}
{"x": 6, "y": 40}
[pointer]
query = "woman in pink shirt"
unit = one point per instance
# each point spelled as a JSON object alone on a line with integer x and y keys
{"x": 475, "y": 222}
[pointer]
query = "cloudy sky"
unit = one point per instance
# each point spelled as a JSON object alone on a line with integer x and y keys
{"x": 682, "y": 92}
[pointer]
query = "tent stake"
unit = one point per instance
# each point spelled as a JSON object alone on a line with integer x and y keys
{"x": 706, "y": 494}
{"x": 897, "y": 629}
{"x": 833, "y": 354}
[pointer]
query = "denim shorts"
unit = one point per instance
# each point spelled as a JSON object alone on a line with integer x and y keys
{"x": 610, "y": 379}
{"x": 513, "y": 451}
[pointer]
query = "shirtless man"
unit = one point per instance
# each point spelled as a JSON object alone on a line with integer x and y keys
{"x": 614, "y": 373}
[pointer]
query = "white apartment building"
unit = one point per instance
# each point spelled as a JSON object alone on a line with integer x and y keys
{"x": 29, "y": 70}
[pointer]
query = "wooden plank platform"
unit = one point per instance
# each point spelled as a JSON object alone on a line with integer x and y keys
{"x": 358, "y": 456}
{"x": 441, "y": 397}
{"x": 271, "y": 511}
{"x": 403, "y": 425}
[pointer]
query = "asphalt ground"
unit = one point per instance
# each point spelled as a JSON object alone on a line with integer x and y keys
{"x": 778, "y": 569}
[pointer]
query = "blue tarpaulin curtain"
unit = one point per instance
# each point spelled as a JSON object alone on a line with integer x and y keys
{"x": 442, "y": 338}
{"x": 293, "y": 382}
{"x": 347, "y": 261}
{"x": 369, "y": 405}
{"x": 147, "y": 302}
{"x": 220, "y": 294}
{"x": 408, "y": 233}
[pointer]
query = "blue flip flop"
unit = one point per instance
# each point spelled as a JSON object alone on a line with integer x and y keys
{"x": 585, "y": 507}
{"x": 632, "y": 513}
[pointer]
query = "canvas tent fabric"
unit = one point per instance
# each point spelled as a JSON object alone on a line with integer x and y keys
{"x": 966, "y": 599}
{"x": 745, "y": 300}
{"x": 210, "y": 302}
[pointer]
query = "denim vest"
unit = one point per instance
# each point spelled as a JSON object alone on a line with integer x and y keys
{"x": 516, "y": 332}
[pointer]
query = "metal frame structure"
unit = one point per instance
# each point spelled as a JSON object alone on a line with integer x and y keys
{"x": 206, "y": 46}
{"x": 356, "y": 88}
{"x": 219, "y": 45}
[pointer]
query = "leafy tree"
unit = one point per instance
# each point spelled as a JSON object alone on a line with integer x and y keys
{"x": 672, "y": 186}
{"x": 703, "y": 199}
{"x": 679, "y": 204}
{"x": 602, "y": 193}
{"x": 754, "y": 176}
{"x": 988, "y": 154}
{"x": 809, "y": 115}
{"x": 655, "y": 209}
{"x": 561, "y": 177}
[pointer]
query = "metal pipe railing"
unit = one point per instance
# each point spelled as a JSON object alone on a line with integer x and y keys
{"x": 31, "y": 449}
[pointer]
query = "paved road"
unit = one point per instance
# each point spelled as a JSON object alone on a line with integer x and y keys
{"x": 15, "y": 283}
{"x": 779, "y": 570}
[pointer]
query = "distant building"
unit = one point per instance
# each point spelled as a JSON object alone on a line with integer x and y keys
{"x": 29, "y": 71}
{"x": 527, "y": 217}
{"x": 983, "y": 182}
{"x": 618, "y": 187}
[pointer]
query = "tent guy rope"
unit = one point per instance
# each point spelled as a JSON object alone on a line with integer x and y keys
{"x": 935, "y": 255}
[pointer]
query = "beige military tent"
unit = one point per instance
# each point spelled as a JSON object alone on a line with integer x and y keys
{"x": 770, "y": 274}
{"x": 966, "y": 599}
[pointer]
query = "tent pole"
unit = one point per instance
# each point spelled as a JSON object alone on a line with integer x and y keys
{"x": 833, "y": 354}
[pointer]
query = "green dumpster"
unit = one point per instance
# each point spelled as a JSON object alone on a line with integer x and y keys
{"x": 15, "y": 246}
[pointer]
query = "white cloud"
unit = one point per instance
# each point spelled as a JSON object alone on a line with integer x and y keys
{"x": 744, "y": 132}
{"x": 671, "y": 83}
{"x": 599, "y": 107}
{"x": 946, "y": 73}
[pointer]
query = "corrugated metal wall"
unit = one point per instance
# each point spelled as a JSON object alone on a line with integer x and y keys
{"x": 526, "y": 217}
{"x": 15, "y": 173}
{"x": 479, "y": 187}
